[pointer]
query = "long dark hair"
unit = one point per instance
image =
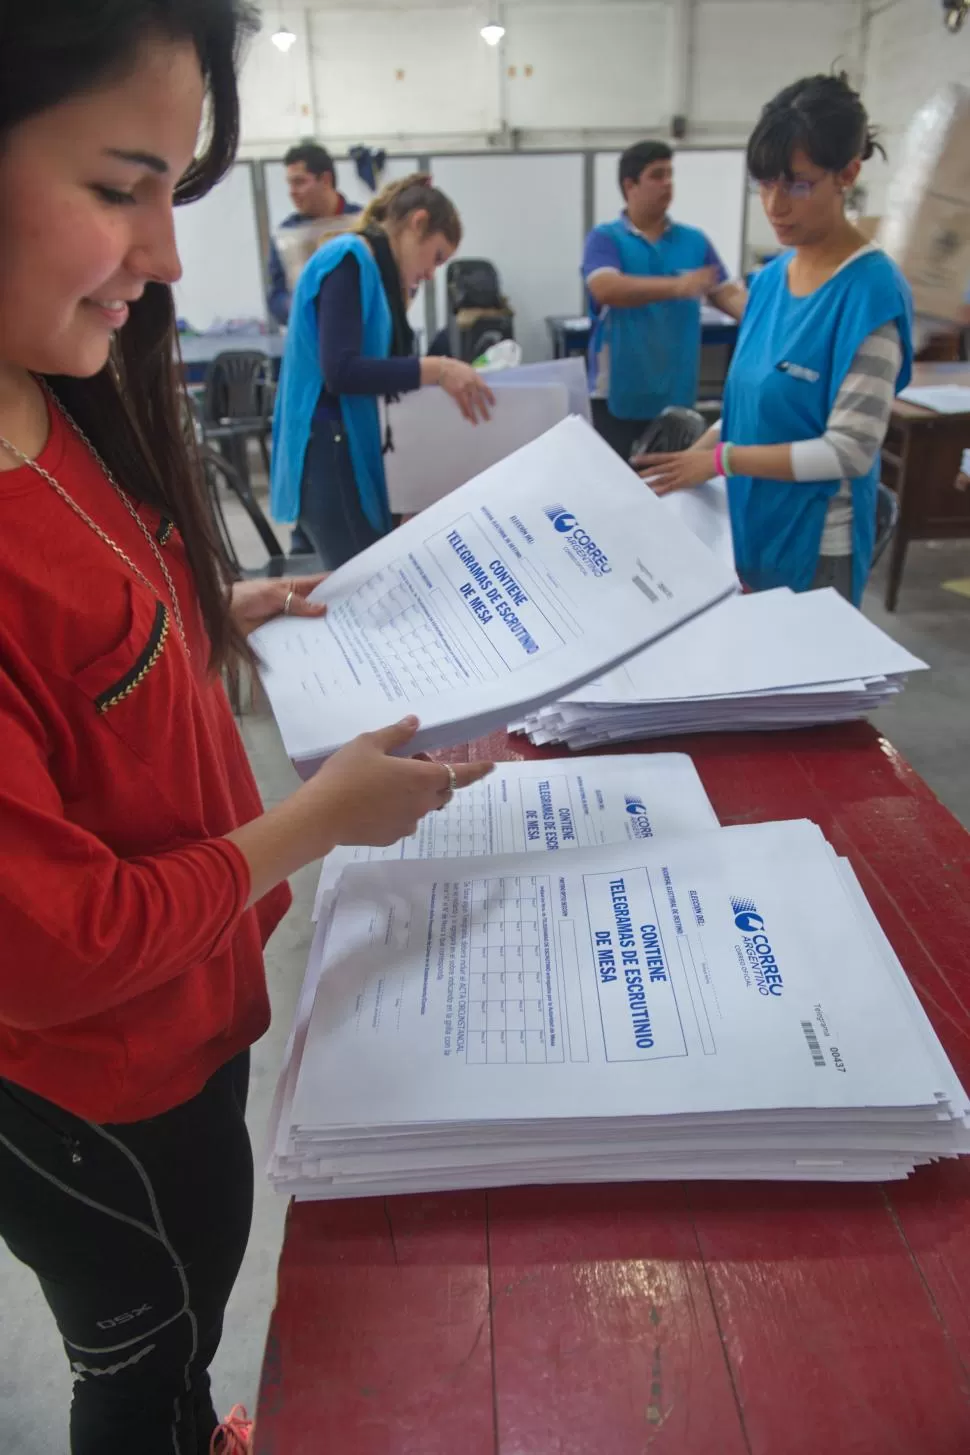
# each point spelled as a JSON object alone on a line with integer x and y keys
{"x": 820, "y": 115}
{"x": 133, "y": 410}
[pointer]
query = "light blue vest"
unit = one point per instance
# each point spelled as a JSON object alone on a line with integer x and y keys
{"x": 302, "y": 381}
{"x": 654, "y": 349}
{"x": 792, "y": 357}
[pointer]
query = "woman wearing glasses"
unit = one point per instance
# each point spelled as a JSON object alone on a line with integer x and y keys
{"x": 824, "y": 347}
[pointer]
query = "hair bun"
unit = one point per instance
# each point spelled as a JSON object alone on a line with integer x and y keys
{"x": 821, "y": 116}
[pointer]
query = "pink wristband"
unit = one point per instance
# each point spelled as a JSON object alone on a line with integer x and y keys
{"x": 719, "y": 458}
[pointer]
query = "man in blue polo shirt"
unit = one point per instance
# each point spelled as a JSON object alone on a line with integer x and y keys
{"x": 645, "y": 276}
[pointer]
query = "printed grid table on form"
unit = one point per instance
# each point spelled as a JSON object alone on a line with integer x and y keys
{"x": 409, "y": 642}
{"x": 466, "y": 828}
{"x": 507, "y": 1017}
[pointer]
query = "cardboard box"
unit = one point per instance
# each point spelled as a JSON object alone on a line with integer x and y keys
{"x": 926, "y": 228}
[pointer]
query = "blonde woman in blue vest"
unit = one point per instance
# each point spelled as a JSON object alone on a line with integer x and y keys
{"x": 349, "y": 345}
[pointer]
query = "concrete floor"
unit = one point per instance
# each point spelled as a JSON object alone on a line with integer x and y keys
{"x": 928, "y": 723}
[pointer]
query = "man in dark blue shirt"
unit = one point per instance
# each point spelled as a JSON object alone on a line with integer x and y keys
{"x": 311, "y": 178}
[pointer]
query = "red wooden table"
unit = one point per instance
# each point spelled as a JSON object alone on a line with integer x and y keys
{"x": 679, "y": 1318}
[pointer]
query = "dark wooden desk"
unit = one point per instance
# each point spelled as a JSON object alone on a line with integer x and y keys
{"x": 676, "y": 1318}
{"x": 921, "y": 461}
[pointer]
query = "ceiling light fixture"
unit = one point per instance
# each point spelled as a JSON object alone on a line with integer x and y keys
{"x": 955, "y": 13}
{"x": 283, "y": 39}
{"x": 492, "y": 32}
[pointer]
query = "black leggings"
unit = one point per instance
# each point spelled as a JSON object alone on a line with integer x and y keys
{"x": 136, "y": 1232}
{"x": 331, "y": 514}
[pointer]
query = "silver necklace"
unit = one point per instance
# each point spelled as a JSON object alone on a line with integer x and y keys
{"x": 102, "y": 535}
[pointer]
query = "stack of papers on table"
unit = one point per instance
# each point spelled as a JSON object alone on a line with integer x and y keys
{"x": 547, "y": 570}
{"x": 540, "y": 808}
{"x": 775, "y": 659}
{"x": 719, "y": 1005}
{"x": 941, "y": 398}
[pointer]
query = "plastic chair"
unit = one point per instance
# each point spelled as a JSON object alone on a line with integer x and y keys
{"x": 219, "y": 474}
{"x": 887, "y": 518}
{"x": 473, "y": 283}
{"x": 478, "y": 313}
{"x": 674, "y": 429}
{"x": 237, "y": 404}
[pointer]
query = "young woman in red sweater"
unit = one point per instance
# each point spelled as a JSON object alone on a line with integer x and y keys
{"x": 140, "y": 876}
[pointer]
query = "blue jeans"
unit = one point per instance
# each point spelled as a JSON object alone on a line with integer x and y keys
{"x": 331, "y": 515}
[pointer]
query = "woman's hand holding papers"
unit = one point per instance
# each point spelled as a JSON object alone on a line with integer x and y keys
{"x": 365, "y": 794}
{"x": 681, "y": 471}
{"x": 466, "y": 385}
{"x": 254, "y": 603}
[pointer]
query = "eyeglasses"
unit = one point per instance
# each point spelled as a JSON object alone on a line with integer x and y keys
{"x": 797, "y": 191}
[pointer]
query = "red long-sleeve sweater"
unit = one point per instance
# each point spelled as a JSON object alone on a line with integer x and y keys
{"x": 129, "y": 968}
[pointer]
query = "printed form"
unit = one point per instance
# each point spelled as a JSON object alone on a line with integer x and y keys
{"x": 542, "y": 572}
{"x": 539, "y": 807}
{"x": 724, "y": 972}
{"x": 542, "y": 807}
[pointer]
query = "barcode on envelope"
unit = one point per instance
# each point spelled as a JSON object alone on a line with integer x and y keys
{"x": 648, "y": 591}
{"x": 818, "y": 1055}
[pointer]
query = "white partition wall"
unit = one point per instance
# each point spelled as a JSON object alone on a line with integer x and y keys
{"x": 524, "y": 212}
{"x": 710, "y": 192}
{"x": 218, "y": 243}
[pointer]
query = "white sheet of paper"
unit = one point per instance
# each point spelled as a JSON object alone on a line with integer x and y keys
{"x": 570, "y": 372}
{"x": 543, "y": 572}
{"x": 941, "y": 398}
{"x": 704, "y": 511}
{"x": 548, "y": 806}
{"x": 436, "y": 449}
{"x": 754, "y": 643}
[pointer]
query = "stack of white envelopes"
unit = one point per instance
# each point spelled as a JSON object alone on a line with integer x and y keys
{"x": 537, "y": 808}
{"x": 713, "y": 1004}
{"x": 772, "y": 660}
